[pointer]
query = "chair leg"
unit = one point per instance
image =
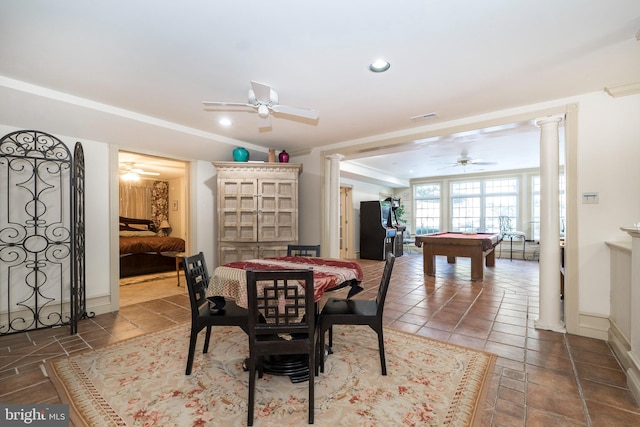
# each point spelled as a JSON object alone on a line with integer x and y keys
{"x": 383, "y": 362}
{"x": 511, "y": 249}
{"x": 207, "y": 339}
{"x": 252, "y": 390}
{"x": 319, "y": 354}
{"x": 321, "y": 348}
{"x": 331, "y": 336}
{"x": 312, "y": 361}
{"x": 192, "y": 350}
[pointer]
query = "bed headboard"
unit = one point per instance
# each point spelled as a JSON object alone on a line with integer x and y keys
{"x": 136, "y": 224}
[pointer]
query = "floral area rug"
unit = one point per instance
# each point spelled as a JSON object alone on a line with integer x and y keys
{"x": 142, "y": 382}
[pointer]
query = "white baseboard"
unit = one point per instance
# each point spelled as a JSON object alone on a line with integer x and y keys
{"x": 622, "y": 349}
{"x": 633, "y": 378}
{"x": 593, "y": 326}
{"x": 100, "y": 305}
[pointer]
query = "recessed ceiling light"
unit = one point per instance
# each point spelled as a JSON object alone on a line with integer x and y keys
{"x": 379, "y": 66}
{"x": 225, "y": 122}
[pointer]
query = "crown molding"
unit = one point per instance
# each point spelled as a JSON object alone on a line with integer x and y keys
{"x": 623, "y": 90}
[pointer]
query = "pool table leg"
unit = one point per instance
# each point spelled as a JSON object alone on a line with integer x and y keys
{"x": 428, "y": 260}
{"x": 491, "y": 258}
{"x": 477, "y": 266}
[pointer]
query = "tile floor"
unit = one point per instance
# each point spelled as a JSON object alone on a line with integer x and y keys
{"x": 541, "y": 378}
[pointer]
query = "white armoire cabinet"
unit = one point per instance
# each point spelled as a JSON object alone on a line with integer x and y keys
{"x": 257, "y": 208}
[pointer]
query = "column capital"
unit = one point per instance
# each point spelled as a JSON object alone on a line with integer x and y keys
{"x": 335, "y": 156}
{"x": 557, "y": 119}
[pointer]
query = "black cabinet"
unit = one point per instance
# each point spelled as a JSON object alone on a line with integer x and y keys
{"x": 376, "y": 236}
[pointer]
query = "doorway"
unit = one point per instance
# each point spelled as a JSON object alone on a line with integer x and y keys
{"x": 346, "y": 223}
{"x": 152, "y": 190}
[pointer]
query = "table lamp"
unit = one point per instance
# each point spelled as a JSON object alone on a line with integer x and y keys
{"x": 165, "y": 227}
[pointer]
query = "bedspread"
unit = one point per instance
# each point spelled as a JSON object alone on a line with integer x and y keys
{"x": 145, "y": 244}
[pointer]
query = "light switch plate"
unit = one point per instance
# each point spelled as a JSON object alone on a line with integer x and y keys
{"x": 590, "y": 198}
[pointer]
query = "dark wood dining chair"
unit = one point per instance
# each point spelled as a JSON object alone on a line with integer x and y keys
{"x": 282, "y": 320}
{"x": 357, "y": 312}
{"x": 303, "y": 250}
{"x": 227, "y": 313}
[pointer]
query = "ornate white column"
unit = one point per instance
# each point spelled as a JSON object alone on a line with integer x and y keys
{"x": 549, "y": 310}
{"x": 331, "y": 229}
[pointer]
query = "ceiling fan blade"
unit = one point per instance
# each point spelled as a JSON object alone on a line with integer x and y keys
{"x": 262, "y": 92}
{"x": 226, "y": 104}
{"x": 308, "y": 113}
{"x": 143, "y": 172}
{"x": 480, "y": 162}
{"x": 264, "y": 121}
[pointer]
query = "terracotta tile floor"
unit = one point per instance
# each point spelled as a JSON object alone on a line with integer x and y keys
{"x": 541, "y": 378}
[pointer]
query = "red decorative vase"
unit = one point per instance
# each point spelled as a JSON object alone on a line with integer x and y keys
{"x": 283, "y": 157}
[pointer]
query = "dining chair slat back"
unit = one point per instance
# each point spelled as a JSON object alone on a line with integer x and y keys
{"x": 303, "y": 250}
{"x": 282, "y": 320}
{"x": 202, "y": 315}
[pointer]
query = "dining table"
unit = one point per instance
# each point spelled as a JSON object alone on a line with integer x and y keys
{"x": 229, "y": 281}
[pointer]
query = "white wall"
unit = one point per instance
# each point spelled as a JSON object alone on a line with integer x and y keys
{"x": 203, "y": 213}
{"x": 177, "y": 218}
{"x": 608, "y": 154}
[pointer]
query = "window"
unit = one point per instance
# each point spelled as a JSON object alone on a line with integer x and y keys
{"x": 427, "y": 200}
{"x": 535, "y": 203}
{"x": 466, "y": 206}
{"x": 477, "y": 205}
{"x": 501, "y": 200}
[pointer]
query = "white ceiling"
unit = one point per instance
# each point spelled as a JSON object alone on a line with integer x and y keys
{"x": 80, "y": 68}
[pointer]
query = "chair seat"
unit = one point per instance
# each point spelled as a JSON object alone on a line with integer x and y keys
{"x": 350, "y": 307}
{"x": 514, "y": 234}
{"x": 230, "y": 310}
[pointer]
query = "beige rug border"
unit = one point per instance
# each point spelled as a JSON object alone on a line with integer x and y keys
{"x": 78, "y": 420}
{"x": 476, "y": 417}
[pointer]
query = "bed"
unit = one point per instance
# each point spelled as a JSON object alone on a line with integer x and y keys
{"x": 143, "y": 251}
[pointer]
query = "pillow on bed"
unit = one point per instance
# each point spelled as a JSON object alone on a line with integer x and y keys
{"x": 130, "y": 233}
{"x": 134, "y": 227}
{"x": 141, "y": 227}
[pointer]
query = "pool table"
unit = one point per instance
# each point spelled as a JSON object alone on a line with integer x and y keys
{"x": 451, "y": 244}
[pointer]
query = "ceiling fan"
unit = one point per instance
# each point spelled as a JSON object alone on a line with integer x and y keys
{"x": 129, "y": 172}
{"x": 264, "y": 100}
{"x": 465, "y": 160}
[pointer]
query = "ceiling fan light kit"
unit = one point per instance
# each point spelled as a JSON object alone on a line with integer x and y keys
{"x": 132, "y": 174}
{"x": 130, "y": 177}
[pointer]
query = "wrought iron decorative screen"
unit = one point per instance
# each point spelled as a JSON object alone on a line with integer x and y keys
{"x": 41, "y": 233}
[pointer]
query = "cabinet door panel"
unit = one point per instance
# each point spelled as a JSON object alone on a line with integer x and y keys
{"x": 277, "y": 211}
{"x": 272, "y": 251}
{"x": 238, "y": 210}
{"x": 238, "y": 253}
